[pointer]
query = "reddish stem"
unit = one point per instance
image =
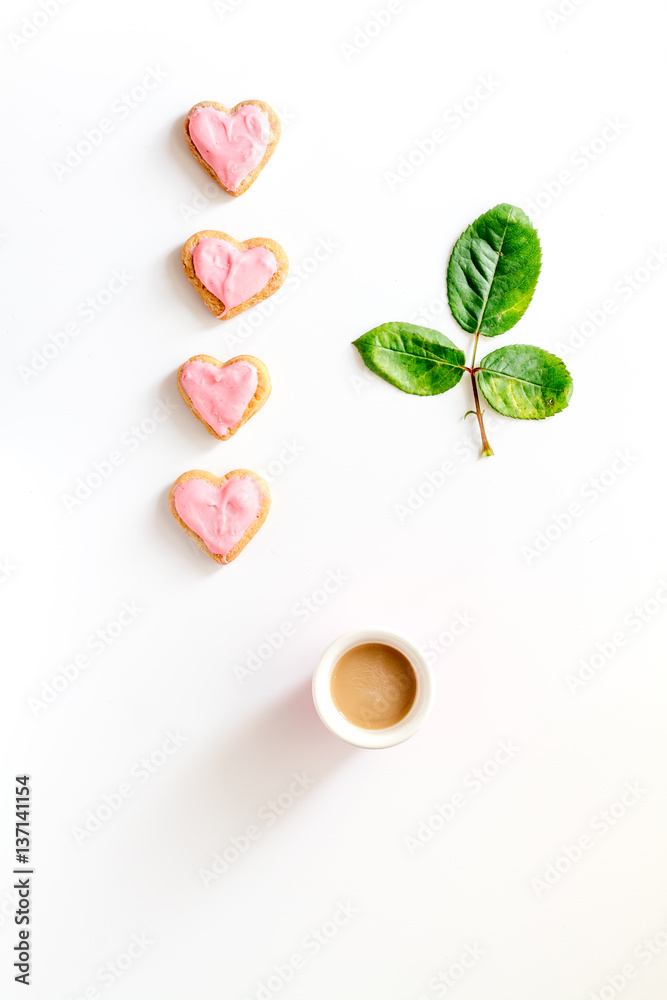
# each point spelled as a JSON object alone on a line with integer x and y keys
{"x": 487, "y": 450}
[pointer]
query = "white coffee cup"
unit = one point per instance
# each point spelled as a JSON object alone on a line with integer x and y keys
{"x": 372, "y": 739}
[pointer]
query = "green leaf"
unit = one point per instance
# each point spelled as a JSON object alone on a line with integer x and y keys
{"x": 413, "y": 358}
{"x": 525, "y": 382}
{"x": 493, "y": 271}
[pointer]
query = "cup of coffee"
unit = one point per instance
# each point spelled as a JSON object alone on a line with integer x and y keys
{"x": 373, "y": 688}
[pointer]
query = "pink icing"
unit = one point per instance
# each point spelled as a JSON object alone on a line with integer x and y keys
{"x": 219, "y": 395}
{"x": 232, "y": 275}
{"x": 220, "y": 515}
{"x": 233, "y": 144}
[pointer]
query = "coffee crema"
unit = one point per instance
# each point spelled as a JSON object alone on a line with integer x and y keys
{"x": 373, "y": 685}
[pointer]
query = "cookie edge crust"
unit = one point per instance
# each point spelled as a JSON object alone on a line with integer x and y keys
{"x": 274, "y": 138}
{"x": 211, "y": 300}
{"x": 262, "y": 392}
{"x": 250, "y": 531}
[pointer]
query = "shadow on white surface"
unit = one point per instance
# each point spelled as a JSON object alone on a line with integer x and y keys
{"x": 179, "y": 284}
{"x": 179, "y": 150}
{"x": 286, "y": 736}
{"x": 183, "y": 547}
{"x": 230, "y": 783}
{"x": 192, "y": 429}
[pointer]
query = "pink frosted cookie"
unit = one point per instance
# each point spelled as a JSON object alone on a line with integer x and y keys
{"x": 223, "y": 395}
{"x": 220, "y": 514}
{"x": 232, "y": 276}
{"x": 232, "y": 144}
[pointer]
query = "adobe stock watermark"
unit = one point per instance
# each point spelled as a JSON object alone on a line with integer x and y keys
{"x": 455, "y": 629}
{"x": 364, "y": 33}
{"x": 452, "y": 120}
{"x": 430, "y": 312}
{"x": 117, "y": 968}
{"x": 140, "y": 773}
{"x": 634, "y": 621}
{"x": 600, "y": 825}
{"x": 445, "y": 980}
{"x": 472, "y": 783}
{"x": 104, "y": 468}
{"x": 86, "y": 312}
{"x": 224, "y": 7}
{"x": 622, "y": 291}
{"x": 7, "y": 569}
{"x": 360, "y": 383}
{"x": 121, "y": 109}
{"x": 299, "y": 273}
{"x": 579, "y": 162}
{"x": 461, "y": 452}
{"x": 267, "y": 814}
{"x": 31, "y": 26}
{"x": 290, "y": 451}
{"x": 300, "y": 613}
{"x": 312, "y": 943}
{"x": 562, "y": 11}
{"x": 643, "y": 955}
{"x": 95, "y": 645}
{"x": 592, "y": 490}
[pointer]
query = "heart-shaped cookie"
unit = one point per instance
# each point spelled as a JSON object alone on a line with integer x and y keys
{"x": 232, "y": 144}
{"x": 232, "y": 276}
{"x": 224, "y": 394}
{"x": 220, "y": 514}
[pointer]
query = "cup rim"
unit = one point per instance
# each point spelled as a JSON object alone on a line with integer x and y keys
{"x": 372, "y": 739}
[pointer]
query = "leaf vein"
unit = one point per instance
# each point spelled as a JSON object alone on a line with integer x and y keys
{"x": 495, "y": 268}
{"x": 420, "y": 357}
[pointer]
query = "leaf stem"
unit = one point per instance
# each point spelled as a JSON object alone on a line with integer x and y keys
{"x": 474, "y": 350}
{"x": 487, "y": 450}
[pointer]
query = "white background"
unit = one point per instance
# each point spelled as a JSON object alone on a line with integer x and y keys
{"x": 352, "y": 106}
